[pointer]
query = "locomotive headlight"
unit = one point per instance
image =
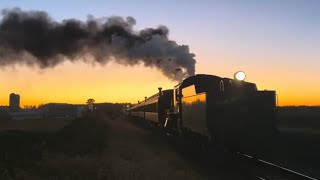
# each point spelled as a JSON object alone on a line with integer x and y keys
{"x": 240, "y": 75}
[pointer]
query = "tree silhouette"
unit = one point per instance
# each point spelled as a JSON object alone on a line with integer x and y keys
{"x": 90, "y": 101}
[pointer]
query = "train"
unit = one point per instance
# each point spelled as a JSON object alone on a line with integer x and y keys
{"x": 222, "y": 112}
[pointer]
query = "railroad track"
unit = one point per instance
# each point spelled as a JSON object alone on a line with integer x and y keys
{"x": 265, "y": 170}
{"x": 261, "y": 169}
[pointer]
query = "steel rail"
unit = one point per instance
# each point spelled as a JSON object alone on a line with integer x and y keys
{"x": 264, "y": 162}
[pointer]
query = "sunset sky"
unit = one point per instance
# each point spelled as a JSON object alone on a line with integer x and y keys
{"x": 276, "y": 42}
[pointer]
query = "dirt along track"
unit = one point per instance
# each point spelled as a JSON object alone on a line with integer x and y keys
{"x": 138, "y": 152}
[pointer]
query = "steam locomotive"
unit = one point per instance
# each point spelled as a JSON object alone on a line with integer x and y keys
{"x": 225, "y": 112}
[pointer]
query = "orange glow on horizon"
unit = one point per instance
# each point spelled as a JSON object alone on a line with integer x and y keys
{"x": 75, "y": 83}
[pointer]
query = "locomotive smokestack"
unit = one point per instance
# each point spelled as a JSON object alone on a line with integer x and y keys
{"x": 35, "y": 39}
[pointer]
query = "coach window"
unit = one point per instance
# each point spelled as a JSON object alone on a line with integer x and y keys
{"x": 151, "y": 107}
{"x": 221, "y": 86}
{"x": 189, "y": 91}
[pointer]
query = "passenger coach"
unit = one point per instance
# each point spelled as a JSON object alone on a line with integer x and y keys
{"x": 155, "y": 108}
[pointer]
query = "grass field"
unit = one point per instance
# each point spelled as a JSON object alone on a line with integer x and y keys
{"x": 93, "y": 147}
{"x": 35, "y": 125}
{"x": 304, "y": 119}
{"x": 51, "y": 148}
{"x": 106, "y": 145}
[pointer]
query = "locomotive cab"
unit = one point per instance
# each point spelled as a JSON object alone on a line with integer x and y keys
{"x": 227, "y": 111}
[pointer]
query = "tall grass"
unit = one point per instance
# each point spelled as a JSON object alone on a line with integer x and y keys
{"x": 305, "y": 118}
{"x": 53, "y": 155}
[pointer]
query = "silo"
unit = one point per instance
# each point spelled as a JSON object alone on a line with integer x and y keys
{"x": 14, "y": 102}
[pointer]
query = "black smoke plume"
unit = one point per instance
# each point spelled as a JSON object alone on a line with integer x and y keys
{"x": 35, "y": 39}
